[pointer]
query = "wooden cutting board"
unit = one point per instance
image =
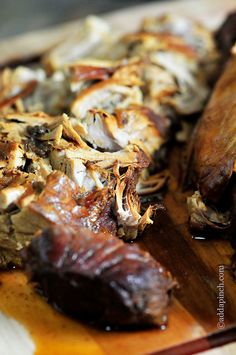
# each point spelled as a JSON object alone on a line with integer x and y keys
{"x": 28, "y": 325}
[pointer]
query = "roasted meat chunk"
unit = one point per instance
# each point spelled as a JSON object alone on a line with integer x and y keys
{"x": 212, "y": 158}
{"x": 99, "y": 278}
{"x": 60, "y": 204}
{"x": 226, "y": 35}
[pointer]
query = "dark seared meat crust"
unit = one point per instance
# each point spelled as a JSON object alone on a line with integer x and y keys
{"x": 213, "y": 150}
{"x": 99, "y": 278}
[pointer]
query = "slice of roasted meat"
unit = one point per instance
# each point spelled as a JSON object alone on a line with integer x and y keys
{"x": 99, "y": 278}
{"x": 212, "y": 159}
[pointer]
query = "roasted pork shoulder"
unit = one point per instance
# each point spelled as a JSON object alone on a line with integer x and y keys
{"x": 212, "y": 158}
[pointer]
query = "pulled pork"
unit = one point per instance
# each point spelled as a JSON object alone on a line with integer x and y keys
{"x": 78, "y": 132}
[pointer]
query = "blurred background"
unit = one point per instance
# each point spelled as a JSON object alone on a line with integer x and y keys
{"x": 17, "y": 16}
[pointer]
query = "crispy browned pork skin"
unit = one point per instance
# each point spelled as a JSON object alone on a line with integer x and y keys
{"x": 99, "y": 278}
{"x": 212, "y": 160}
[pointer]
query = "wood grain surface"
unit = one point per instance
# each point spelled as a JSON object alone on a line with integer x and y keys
{"x": 194, "y": 263}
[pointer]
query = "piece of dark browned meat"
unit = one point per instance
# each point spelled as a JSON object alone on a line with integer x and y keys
{"x": 99, "y": 278}
{"x": 226, "y": 35}
{"x": 213, "y": 151}
{"x": 212, "y": 158}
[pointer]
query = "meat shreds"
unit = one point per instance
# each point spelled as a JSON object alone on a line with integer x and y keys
{"x": 203, "y": 217}
{"x": 16, "y": 85}
{"x": 27, "y": 90}
{"x": 179, "y": 62}
{"x": 212, "y": 158}
{"x": 135, "y": 125}
{"x": 99, "y": 278}
{"x": 127, "y": 207}
{"x": 11, "y": 155}
{"x": 194, "y": 34}
{"x": 90, "y": 168}
{"x": 107, "y": 95}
